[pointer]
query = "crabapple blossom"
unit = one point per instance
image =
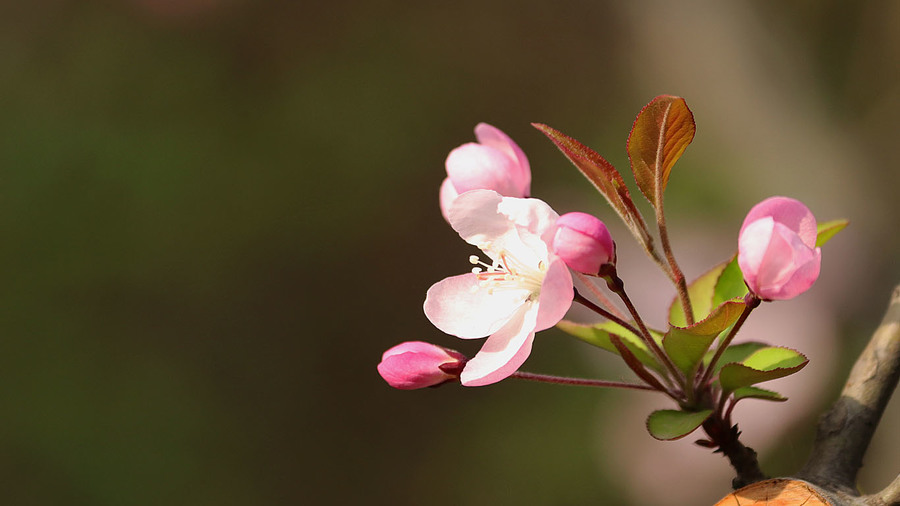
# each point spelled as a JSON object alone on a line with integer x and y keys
{"x": 777, "y": 249}
{"x": 524, "y": 289}
{"x": 495, "y": 162}
{"x": 583, "y": 242}
{"x": 416, "y": 364}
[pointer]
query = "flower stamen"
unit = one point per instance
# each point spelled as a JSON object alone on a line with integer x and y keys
{"x": 507, "y": 272}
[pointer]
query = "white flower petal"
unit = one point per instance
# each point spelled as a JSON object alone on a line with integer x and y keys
{"x": 474, "y": 216}
{"x": 534, "y": 215}
{"x": 460, "y": 306}
{"x": 504, "y": 352}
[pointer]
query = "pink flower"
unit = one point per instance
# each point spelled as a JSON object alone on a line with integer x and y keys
{"x": 777, "y": 249}
{"x": 416, "y": 364}
{"x": 494, "y": 163}
{"x": 526, "y": 288}
{"x": 583, "y": 242}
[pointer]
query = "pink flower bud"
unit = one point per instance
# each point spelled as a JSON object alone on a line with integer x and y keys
{"x": 416, "y": 364}
{"x": 494, "y": 163}
{"x": 583, "y": 242}
{"x": 777, "y": 249}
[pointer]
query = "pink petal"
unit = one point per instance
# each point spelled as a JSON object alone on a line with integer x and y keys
{"x": 752, "y": 246}
{"x": 557, "y": 293}
{"x": 459, "y": 306}
{"x": 777, "y": 263}
{"x": 808, "y": 264}
{"x": 504, "y": 351}
{"x": 491, "y": 136}
{"x": 533, "y": 215}
{"x": 446, "y": 196}
{"x": 474, "y": 216}
{"x": 476, "y": 167}
{"x": 790, "y": 212}
{"x": 417, "y": 347}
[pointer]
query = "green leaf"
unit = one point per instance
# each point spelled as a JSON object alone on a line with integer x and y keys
{"x": 660, "y": 134}
{"x": 687, "y": 346}
{"x": 604, "y": 177}
{"x": 757, "y": 393}
{"x": 599, "y": 336}
{"x": 764, "y": 364}
{"x": 828, "y": 230}
{"x": 670, "y": 424}
{"x": 774, "y": 357}
{"x": 701, "y": 292}
{"x": 730, "y": 284}
{"x": 734, "y": 353}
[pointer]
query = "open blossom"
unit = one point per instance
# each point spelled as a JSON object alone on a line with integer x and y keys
{"x": 416, "y": 364}
{"x": 583, "y": 242}
{"x": 777, "y": 249}
{"x": 494, "y": 163}
{"x": 524, "y": 289}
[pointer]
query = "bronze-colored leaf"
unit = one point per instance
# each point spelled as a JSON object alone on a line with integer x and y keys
{"x": 603, "y": 176}
{"x": 661, "y": 132}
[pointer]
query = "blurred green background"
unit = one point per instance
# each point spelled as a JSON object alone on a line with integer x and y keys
{"x": 216, "y": 214}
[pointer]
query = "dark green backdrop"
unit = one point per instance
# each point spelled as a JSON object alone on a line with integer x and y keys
{"x": 216, "y": 214}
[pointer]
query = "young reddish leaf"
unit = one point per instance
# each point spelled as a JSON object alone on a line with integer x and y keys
{"x": 687, "y": 346}
{"x": 599, "y": 336}
{"x": 670, "y": 424}
{"x": 763, "y": 365}
{"x": 604, "y": 177}
{"x": 828, "y": 230}
{"x": 661, "y": 132}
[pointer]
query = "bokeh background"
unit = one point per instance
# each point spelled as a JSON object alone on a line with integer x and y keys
{"x": 216, "y": 214}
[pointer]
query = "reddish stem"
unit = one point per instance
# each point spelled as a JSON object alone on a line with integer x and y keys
{"x": 584, "y": 382}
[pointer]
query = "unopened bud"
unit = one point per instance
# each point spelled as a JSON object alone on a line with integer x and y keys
{"x": 777, "y": 249}
{"x": 416, "y": 364}
{"x": 583, "y": 242}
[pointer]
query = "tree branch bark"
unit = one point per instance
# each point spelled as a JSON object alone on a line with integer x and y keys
{"x": 845, "y": 431}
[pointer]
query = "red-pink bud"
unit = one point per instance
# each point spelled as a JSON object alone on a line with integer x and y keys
{"x": 583, "y": 242}
{"x": 777, "y": 249}
{"x": 416, "y": 364}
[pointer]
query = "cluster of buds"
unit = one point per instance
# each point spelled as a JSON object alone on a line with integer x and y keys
{"x": 532, "y": 256}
